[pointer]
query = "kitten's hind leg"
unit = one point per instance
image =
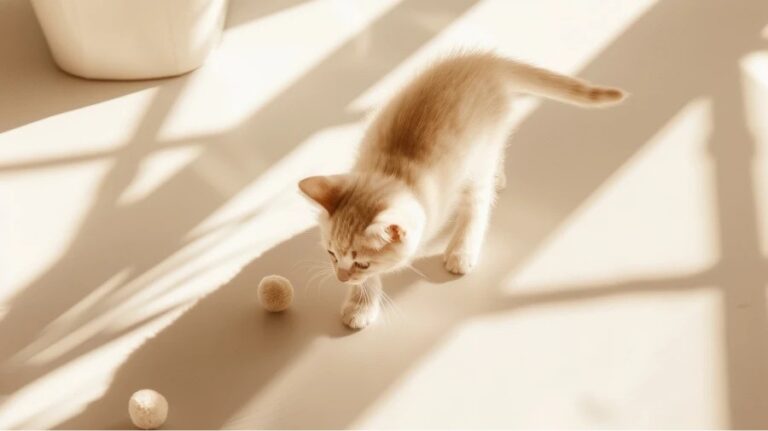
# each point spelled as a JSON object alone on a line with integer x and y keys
{"x": 363, "y": 304}
{"x": 463, "y": 250}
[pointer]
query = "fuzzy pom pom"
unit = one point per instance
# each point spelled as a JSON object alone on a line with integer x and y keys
{"x": 148, "y": 409}
{"x": 275, "y": 293}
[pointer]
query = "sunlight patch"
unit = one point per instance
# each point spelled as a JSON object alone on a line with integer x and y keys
{"x": 754, "y": 71}
{"x": 653, "y": 217}
{"x": 155, "y": 169}
{"x": 260, "y": 61}
{"x": 604, "y": 363}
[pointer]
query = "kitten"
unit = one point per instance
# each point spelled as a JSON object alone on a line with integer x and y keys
{"x": 435, "y": 150}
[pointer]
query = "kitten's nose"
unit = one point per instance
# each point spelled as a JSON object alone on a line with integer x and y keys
{"x": 342, "y": 274}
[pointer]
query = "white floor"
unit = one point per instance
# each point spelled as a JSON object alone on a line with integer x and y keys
{"x": 623, "y": 281}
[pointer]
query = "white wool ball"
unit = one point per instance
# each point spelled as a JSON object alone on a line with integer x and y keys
{"x": 275, "y": 293}
{"x": 148, "y": 409}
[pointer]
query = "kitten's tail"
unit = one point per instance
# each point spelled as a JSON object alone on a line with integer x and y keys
{"x": 552, "y": 85}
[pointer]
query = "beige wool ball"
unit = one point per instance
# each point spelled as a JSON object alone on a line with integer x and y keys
{"x": 275, "y": 293}
{"x": 148, "y": 409}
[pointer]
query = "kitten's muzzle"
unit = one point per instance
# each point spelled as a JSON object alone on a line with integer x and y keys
{"x": 343, "y": 274}
{"x": 349, "y": 277}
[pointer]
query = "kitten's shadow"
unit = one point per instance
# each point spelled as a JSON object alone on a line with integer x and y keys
{"x": 432, "y": 270}
{"x": 430, "y": 264}
{"x": 427, "y": 267}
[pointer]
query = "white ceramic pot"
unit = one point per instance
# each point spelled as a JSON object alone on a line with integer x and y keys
{"x": 130, "y": 39}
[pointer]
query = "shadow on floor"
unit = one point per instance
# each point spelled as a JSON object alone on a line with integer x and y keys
{"x": 133, "y": 239}
{"x": 225, "y": 347}
{"x": 221, "y": 354}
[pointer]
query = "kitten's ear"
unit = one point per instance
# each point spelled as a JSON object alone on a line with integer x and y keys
{"x": 395, "y": 233}
{"x": 326, "y": 191}
{"x": 382, "y": 234}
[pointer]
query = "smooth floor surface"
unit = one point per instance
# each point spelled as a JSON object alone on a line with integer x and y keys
{"x": 623, "y": 282}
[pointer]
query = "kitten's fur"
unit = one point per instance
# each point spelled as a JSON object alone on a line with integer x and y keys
{"x": 436, "y": 149}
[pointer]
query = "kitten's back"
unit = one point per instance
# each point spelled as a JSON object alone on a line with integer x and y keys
{"x": 460, "y": 99}
{"x": 449, "y": 99}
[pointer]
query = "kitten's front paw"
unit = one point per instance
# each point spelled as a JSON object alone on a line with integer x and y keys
{"x": 459, "y": 263}
{"x": 359, "y": 315}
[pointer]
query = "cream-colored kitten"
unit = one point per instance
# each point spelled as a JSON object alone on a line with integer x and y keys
{"x": 435, "y": 150}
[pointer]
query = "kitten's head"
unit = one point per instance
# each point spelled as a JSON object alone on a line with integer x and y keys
{"x": 371, "y": 224}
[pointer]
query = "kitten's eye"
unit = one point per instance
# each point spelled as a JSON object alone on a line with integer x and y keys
{"x": 333, "y": 256}
{"x": 362, "y": 265}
